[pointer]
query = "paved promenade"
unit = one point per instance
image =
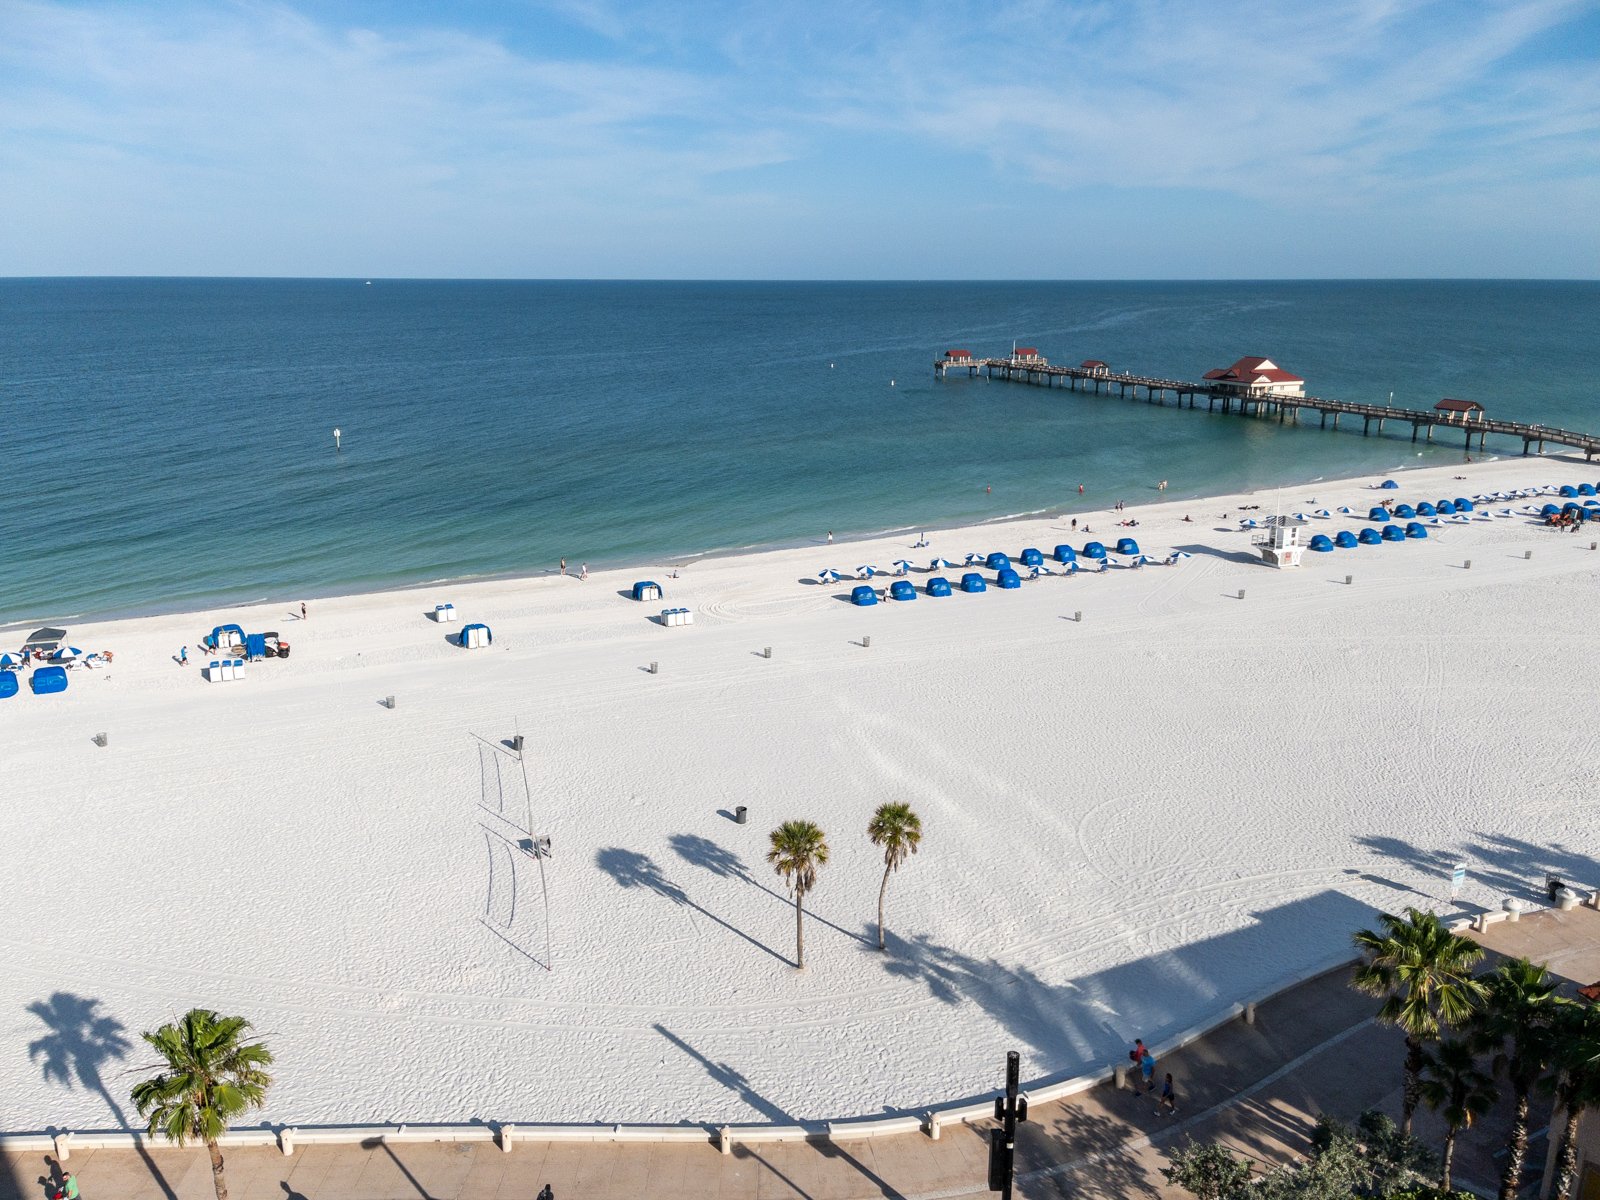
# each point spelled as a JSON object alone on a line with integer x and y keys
{"x": 1258, "y": 1088}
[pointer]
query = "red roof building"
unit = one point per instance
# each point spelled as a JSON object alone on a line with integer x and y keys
{"x": 958, "y": 355}
{"x": 1094, "y": 366}
{"x": 1257, "y": 376}
{"x": 1026, "y": 354}
{"x": 1460, "y": 409}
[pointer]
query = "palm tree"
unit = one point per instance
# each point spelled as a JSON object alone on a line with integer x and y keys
{"x": 798, "y": 849}
{"x": 1424, "y": 973}
{"x": 1454, "y": 1087}
{"x": 899, "y": 831}
{"x": 208, "y": 1077}
{"x": 1520, "y": 1004}
{"x": 1578, "y": 1087}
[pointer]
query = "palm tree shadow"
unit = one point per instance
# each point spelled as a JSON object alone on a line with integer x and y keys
{"x": 719, "y": 860}
{"x": 79, "y": 1041}
{"x": 631, "y": 869}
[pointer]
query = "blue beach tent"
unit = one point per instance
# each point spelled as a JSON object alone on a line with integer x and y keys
{"x": 1568, "y": 490}
{"x": 468, "y": 637}
{"x": 902, "y": 589}
{"x": 45, "y": 680}
{"x": 938, "y": 586}
{"x": 1127, "y": 546}
{"x": 1008, "y": 579}
{"x": 973, "y": 582}
{"x": 1031, "y": 557}
{"x": 1586, "y": 489}
{"x": 1377, "y": 513}
{"x": 1426, "y": 510}
{"x": 1389, "y": 485}
{"x": 1066, "y": 554}
{"x": 1404, "y": 511}
{"x": 1369, "y": 537}
{"x": 1094, "y": 550}
{"x": 863, "y": 596}
{"x": 1570, "y": 507}
{"x": 997, "y": 561}
{"x": 1393, "y": 533}
{"x": 1344, "y": 539}
{"x": 233, "y": 634}
{"x": 647, "y": 589}
{"x": 1320, "y": 543}
{"x": 1444, "y": 509}
{"x": 1464, "y": 505}
{"x": 1550, "y": 510}
{"x": 8, "y": 684}
{"x": 1415, "y": 530}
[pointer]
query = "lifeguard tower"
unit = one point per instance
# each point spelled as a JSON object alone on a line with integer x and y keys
{"x": 1280, "y": 544}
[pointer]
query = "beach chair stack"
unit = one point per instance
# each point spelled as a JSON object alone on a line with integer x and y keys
{"x": 676, "y": 616}
{"x": 222, "y": 670}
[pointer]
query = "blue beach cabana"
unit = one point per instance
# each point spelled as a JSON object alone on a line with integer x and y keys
{"x": 1586, "y": 489}
{"x": 1393, "y": 533}
{"x": 1127, "y": 546}
{"x": 1094, "y": 550}
{"x": 475, "y": 637}
{"x": 1550, "y": 510}
{"x": 224, "y": 636}
{"x": 1008, "y": 579}
{"x": 1414, "y": 530}
{"x": 1377, "y": 513}
{"x": 8, "y": 684}
{"x": 863, "y": 596}
{"x": 1321, "y": 543}
{"x": 1389, "y": 485}
{"x": 1369, "y": 537}
{"x": 1444, "y": 509}
{"x": 938, "y": 586}
{"x": 647, "y": 589}
{"x": 973, "y": 582}
{"x": 1030, "y": 557}
{"x": 1464, "y": 505}
{"x": 997, "y": 561}
{"x": 1066, "y": 554}
{"x": 1426, "y": 510}
{"x": 1404, "y": 511}
{"x": 902, "y": 589}
{"x": 45, "y": 680}
{"x": 1568, "y": 491}
{"x": 1344, "y": 539}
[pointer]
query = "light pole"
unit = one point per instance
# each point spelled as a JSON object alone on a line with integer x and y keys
{"x": 1010, "y": 1110}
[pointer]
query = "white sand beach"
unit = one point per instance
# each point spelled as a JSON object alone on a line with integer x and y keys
{"x": 1129, "y": 821}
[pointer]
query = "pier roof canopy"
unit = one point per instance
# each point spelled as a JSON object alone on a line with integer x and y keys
{"x": 1458, "y": 406}
{"x": 1253, "y": 370}
{"x": 958, "y": 354}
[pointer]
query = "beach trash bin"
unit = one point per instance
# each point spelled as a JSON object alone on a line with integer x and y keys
{"x": 741, "y": 815}
{"x": 863, "y": 596}
{"x": 1008, "y": 579}
{"x": 516, "y": 742}
{"x": 938, "y": 586}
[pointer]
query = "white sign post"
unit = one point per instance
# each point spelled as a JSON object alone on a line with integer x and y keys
{"x": 1458, "y": 878}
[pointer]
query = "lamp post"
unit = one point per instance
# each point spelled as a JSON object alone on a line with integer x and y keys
{"x": 1010, "y": 1110}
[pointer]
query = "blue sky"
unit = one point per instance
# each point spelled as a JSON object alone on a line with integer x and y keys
{"x": 836, "y": 139}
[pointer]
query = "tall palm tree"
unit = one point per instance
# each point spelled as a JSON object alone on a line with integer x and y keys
{"x": 798, "y": 850}
{"x": 1515, "y": 1025}
{"x": 898, "y": 831}
{"x": 208, "y": 1076}
{"x": 1578, "y": 1087}
{"x": 1424, "y": 973}
{"x": 1453, "y": 1087}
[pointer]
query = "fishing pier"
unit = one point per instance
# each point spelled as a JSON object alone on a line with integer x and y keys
{"x": 1263, "y": 400}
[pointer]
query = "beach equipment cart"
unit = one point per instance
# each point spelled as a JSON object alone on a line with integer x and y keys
{"x": 973, "y": 582}
{"x": 1321, "y": 543}
{"x": 45, "y": 680}
{"x": 1031, "y": 557}
{"x": 1127, "y": 546}
{"x": 938, "y": 586}
{"x": 1094, "y": 550}
{"x": 1369, "y": 537}
{"x": 902, "y": 589}
{"x": 475, "y": 637}
{"x": 997, "y": 561}
{"x": 863, "y": 596}
{"x": 1066, "y": 554}
{"x": 1393, "y": 533}
{"x": 647, "y": 589}
{"x": 8, "y": 684}
{"x": 225, "y": 637}
{"x": 1008, "y": 579}
{"x": 1416, "y": 530}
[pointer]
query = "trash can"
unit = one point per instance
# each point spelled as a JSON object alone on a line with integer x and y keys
{"x": 516, "y": 743}
{"x": 741, "y": 815}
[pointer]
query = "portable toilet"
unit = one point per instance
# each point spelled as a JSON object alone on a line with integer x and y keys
{"x": 1094, "y": 550}
{"x": 647, "y": 589}
{"x": 938, "y": 586}
{"x": 1031, "y": 557}
{"x": 863, "y": 596}
{"x": 8, "y": 684}
{"x": 973, "y": 582}
{"x": 1127, "y": 546}
{"x": 475, "y": 637}
{"x": 1008, "y": 579}
{"x": 902, "y": 589}
{"x": 45, "y": 680}
{"x": 997, "y": 561}
{"x": 1066, "y": 554}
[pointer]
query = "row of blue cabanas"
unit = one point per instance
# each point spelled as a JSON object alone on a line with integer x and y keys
{"x": 42, "y": 680}
{"x": 1032, "y": 557}
{"x": 1444, "y": 508}
{"x": 1345, "y": 539}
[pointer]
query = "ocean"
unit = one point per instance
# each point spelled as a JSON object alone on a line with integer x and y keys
{"x": 169, "y": 442}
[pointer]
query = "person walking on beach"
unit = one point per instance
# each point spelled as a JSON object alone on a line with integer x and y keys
{"x": 563, "y": 566}
{"x": 583, "y": 571}
{"x": 302, "y": 610}
{"x": 830, "y": 537}
{"x": 183, "y": 656}
{"x": 1169, "y": 1098}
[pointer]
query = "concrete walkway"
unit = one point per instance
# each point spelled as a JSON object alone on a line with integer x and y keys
{"x": 1257, "y": 1088}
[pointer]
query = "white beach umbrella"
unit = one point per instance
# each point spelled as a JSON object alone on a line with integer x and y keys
{"x": 975, "y": 558}
{"x": 901, "y": 566}
{"x": 1505, "y": 512}
{"x": 66, "y": 654}
{"x": 1322, "y": 512}
{"x": 829, "y": 575}
{"x": 1179, "y": 556}
{"x": 940, "y": 564}
{"x": 1345, "y": 511}
{"x": 1247, "y": 523}
{"x": 1531, "y": 509}
{"x": 1461, "y": 519}
{"x": 9, "y": 660}
{"x": 866, "y": 572}
{"x": 1042, "y": 569}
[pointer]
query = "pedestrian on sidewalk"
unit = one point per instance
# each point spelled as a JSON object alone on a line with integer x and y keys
{"x": 1147, "y": 1065}
{"x": 546, "y": 1193}
{"x": 1169, "y": 1098}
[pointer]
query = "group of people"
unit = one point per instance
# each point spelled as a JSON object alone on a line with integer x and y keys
{"x": 583, "y": 570}
{"x": 1568, "y": 519}
{"x": 1145, "y": 1063}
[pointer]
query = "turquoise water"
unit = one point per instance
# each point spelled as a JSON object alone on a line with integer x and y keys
{"x": 169, "y": 442}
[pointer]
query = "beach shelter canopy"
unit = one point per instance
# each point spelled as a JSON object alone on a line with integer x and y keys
{"x": 1404, "y": 511}
{"x": 1344, "y": 539}
{"x": 997, "y": 561}
{"x": 1464, "y": 505}
{"x": 829, "y": 575}
{"x": 1007, "y": 578}
{"x": 1066, "y": 554}
{"x": 48, "y": 679}
{"x": 1445, "y": 508}
{"x": 1378, "y": 513}
{"x": 8, "y": 684}
{"x": 1127, "y": 546}
{"x": 1389, "y": 485}
{"x": 1585, "y": 489}
{"x": 45, "y": 639}
{"x": 1093, "y": 550}
{"x": 465, "y": 637}
{"x": 902, "y": 589}
{"x": 973, "y": 582}
{"x": 220, "y": 636}
{"x": 1568, "y": 490}
{"x": 1369, "y": 537}
{"x": 1321, "y": 543}
{"x": 938, "y": 586}
{"x": 66, "y": 654}
{"x": 647, "y": 589}
{"x": 1416, "y": 530}
{"x": 1426, "y": 510}
{"x": 1031, "y": 557}
{"x": 863, "y": 596}
{"x": 1393, "y": 533}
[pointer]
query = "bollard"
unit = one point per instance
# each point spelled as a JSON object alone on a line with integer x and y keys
{"x": 741, "y": 815}
{"x": 655, "y": 668}
{"x": 766, "y": 652}
{"x": 866, "y": 642}
{"x": 1349, "y": 579}
{"x": 507, "y": 1133}
{"x": 286, "y": 1141}
{"x": 724, "y": 1140}
{"x": 516, "y": 743}
{"x": 1119, "y": 1077}
{"x": 63, "y": 1145}
{"x": 1250, "y": 1013}
{"x": 1526, "y": 554}
{"x": 934, "y": 1124}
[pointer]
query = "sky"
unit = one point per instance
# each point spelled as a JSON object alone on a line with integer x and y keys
{"x": 835, "y": 139}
